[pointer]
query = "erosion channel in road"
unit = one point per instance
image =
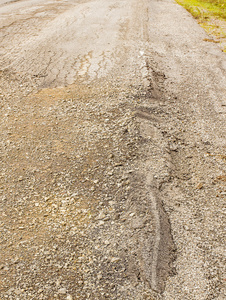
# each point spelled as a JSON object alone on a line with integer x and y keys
{"x": 112, "y": 152}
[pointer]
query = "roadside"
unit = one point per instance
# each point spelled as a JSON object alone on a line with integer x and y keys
{"x": 211, "y": 15}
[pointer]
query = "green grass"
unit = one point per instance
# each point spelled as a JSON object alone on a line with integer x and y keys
{"x": 211, "y": 15}
{"x": 205, "y": 8}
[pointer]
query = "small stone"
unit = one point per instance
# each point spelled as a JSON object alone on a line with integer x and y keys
{"x": 106, "y": 242}
{"x": 173, "y": 147}
{"x": 58, "y": 282}
{"x": 101, "y": 216}
{"x": 16, "y": 260}
{"x": 18, "y": 291}
{"x": 199, "y": 186}
{"x": 100, "y": 223}
{"x": 10, "y": 291}
{"x": 62, "y": 291}
{"x": 115, "y": 259}
{"x": 69, "y": 297}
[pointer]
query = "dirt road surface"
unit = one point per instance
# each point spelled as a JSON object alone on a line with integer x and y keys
{"x": 112, "y": 152}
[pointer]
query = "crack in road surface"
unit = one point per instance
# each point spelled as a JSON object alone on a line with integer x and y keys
{"x": 112, "y": 182}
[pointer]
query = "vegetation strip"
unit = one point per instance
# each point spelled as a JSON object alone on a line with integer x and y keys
{"x": 211, "y": 15}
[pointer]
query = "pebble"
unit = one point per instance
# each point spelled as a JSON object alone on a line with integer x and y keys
{"x": 101, "y": 216}
{"x": 18, "y": 291}
{"x": 114, "y": 259}
{"x": 62, "y": 291}
{"x": 100, "y": 223}
{"x": 199, "y": 186}
{"x": 10, "y": 291}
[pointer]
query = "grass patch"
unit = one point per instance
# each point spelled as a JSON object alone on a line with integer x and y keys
{"x": 211, "y": 15}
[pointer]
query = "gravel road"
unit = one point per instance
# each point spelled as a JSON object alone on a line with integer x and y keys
{"x": 112, "y": 152}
